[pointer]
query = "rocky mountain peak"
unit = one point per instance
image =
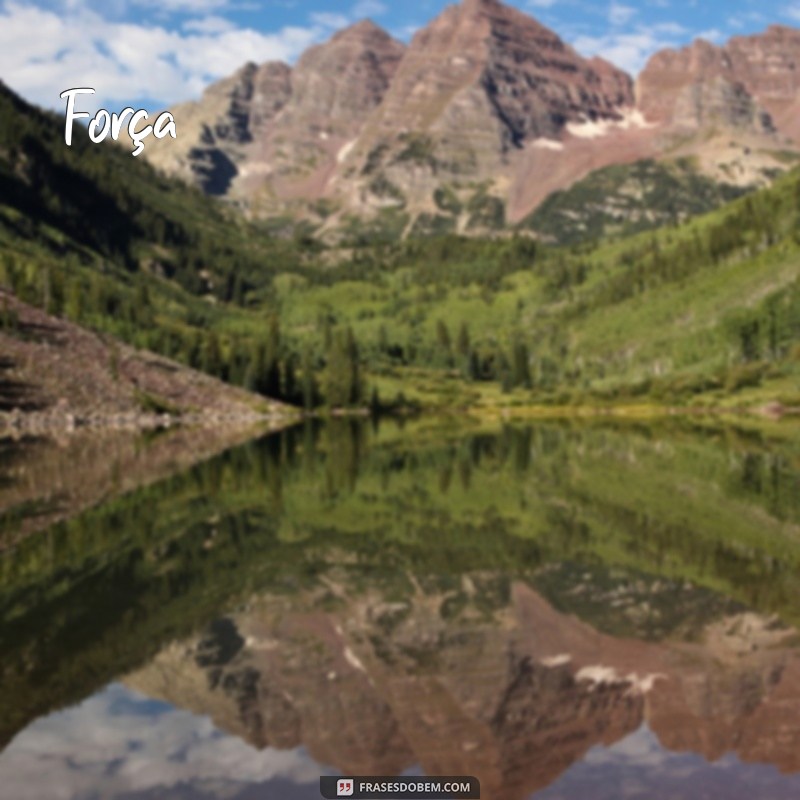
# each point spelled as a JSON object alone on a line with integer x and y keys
{"x": 483, "y": 96}
{"x": 486, "y": 58}
{"x": 348, "y": 74}
{"x": 768, "y": 65}
{"x": 776, "y": 31}
{"x": 361, "y": 30}
{"x": 700, "y": 85}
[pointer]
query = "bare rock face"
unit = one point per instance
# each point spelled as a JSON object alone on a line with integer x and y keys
{"x": 334, "y": 88}
{"x": 768, "y": 66}
{"x": 475, "y": 88}
{"x": 515, "y": 698}
{"x": 751, "y": 82}
{"x": 476, "y": 122}
{"x": 215, "y": 132}
{"x": 338, "y": 83}
{"x": 493, "y": 68}
{"x": 272, "y": 123}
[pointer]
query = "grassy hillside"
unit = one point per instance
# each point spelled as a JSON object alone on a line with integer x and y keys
{"x": 97, "y": 199}
{"x": 710, "y": 306}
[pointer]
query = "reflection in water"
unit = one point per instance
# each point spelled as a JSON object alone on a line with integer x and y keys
{"x": 120, "y": 744}
{"x": 548, "y": 608}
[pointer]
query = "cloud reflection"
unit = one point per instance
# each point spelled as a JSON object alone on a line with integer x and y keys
{"x": 638, "y": 766}
{"x": 119, "y": 745}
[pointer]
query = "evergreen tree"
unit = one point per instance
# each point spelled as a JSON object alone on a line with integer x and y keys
{"x": 473, "y": 366}
{"x": 383, "y": 340}
{"x": 342, "y": 373}
{"x": 443, "y": 337}
{"x": 309, "y": 389}
{"x": 270, "y": 381}
{"x": 463, "y": 342}
{"x": 290, "y": 388}
{"x": 256, "y": 363}
{"x": 211, "y": 359}
{"x": 520, "y": 366}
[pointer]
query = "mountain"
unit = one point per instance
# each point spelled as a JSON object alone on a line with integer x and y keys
{"x": 475, "y": 91}
{"x": 238, "y": 107}
{"x": 474, "y": 124}
{"x": 92, "y": 235}
{"x": 750, "y": 83}
{"x": 274, "y": 130}
{"x": 515, "y": 697}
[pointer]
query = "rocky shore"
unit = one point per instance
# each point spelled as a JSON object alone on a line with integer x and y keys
{"x": 56, "y": 376}
{"x": 18, "y": 423}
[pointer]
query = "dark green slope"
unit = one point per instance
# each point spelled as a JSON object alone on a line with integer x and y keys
{"x": 101, "y": 199}
{"x": 92, "y": 234}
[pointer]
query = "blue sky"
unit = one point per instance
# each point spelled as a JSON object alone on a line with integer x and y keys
{"x": 156, "y": 52}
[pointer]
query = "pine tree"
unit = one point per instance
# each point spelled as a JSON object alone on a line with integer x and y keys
{"x": 256, "y": 368}
{"x": 342, "y": 373}
{"x": 290, "y": 390}
{"x": 463, "y": 341}
{"x": 375, "y": 401}
{"x": 520, "y": 369}
{"x": 272, "y": 376}
{"x": 473, "y": 366}
{"x": 383, "y": 340}
{"x": 443, "y": 337}
{"x": 211, "y": 359}
{"x": 310, "y": 391}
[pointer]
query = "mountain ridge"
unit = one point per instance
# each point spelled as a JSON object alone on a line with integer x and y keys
{"x": 486, "y": 104}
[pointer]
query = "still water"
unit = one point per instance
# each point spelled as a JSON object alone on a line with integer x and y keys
{"x": 564, "y": 612}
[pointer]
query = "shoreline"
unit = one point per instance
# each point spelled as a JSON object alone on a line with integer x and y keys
{"x": 20, "y": 423}
{"x": 17, "y": 423}
{"x": 773, "y": 412}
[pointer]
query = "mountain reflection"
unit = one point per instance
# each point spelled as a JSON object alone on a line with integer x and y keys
{"x": 529, "y": 605}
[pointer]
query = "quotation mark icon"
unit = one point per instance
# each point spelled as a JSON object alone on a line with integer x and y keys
{"x": 345, "y": 788}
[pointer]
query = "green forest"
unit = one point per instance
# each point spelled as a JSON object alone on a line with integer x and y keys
{"x": 703, "y": 312}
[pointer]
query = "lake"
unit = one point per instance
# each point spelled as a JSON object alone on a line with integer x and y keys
{"x": 564, "y": 611}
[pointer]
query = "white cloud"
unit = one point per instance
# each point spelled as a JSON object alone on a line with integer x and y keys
{"x": 541, "y": 3}
{"x": 369, "y": 8}
{"x": 190, "y": 6}
{"x": 619, "y": 14}
{"x": 792, "y": 12}
{"x": 714, "y": 35}
{"x": 406, "y": 32}
{"x": 330, "y": 19}
{"x": 208, "y": 25}
{"x": 627, "y": 50}
{"x": 42, "y": 53}
{"x": 361, "y": 10}
{"x": 670, "y": 28}
{"x": 117, "y": 742}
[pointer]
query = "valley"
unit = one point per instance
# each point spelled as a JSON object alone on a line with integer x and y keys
{"x": 564, "y": 307}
